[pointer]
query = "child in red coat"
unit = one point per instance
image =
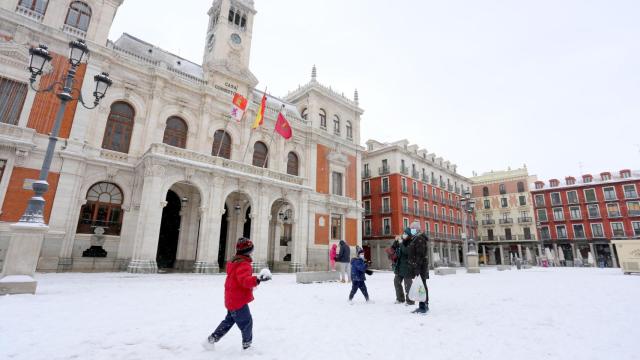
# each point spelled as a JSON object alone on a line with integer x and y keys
{"x": 238, "y": 293}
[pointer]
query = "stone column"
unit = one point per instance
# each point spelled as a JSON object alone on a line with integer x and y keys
{"x": 300, "y": 235}
{"x": 593, "y": 254}
{"x": 501, "y": 255}
{"x": 209, "y": 240}
{"x": 520, "y": 251}
{"x": 484, "y": 254}
{"x": 260, "y": 230}
{"x": 613, "y": 256}
{"x": 148, "y": 230}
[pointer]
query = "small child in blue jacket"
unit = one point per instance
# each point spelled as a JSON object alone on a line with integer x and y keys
{"x": 358, "y": 270}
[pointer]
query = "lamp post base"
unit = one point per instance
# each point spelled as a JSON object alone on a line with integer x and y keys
{"x": 22, "y": 257}
{"x": 472, "y": 263}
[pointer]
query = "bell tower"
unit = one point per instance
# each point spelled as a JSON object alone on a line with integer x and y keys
{"x": 228, "y": 44}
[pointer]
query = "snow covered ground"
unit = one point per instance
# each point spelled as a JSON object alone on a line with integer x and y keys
{"x": 560, "y": 313}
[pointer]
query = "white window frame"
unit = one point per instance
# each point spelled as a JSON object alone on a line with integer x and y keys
{"x": 427, "y": 229}
{"x": 569, "y": 198}
{"x": 571, "y": 208}
{"x": 629, "y": 210}
{"x": 504, "y": 202}
{"x": 615, "y": 193}
{"x": 594, "y": 195}
{"x": 405, "y": 204}
{"x": 546, "y": 215}
{"x": 365, "y": 203}
{"x": 548, "y": 232}
{"x": 342, "y": 181}
{"x": 522, "y": 203}
{"x": 593, "y": 235}
{"x": 539, "y": 204}
{"x": 619, "y": 212}
{"x": 624, "y": 233}
{"x": 403, "y": 185}
{"x": 366, "y": 184}
{"x": 635, "y": 225}
{"x": 597, "y": 207}
{"x": 382, "y": 181}
{"x": 635, "y": 191}
{"x": 559, "y": 203}
{"x": 342, "y": 227}
{"x": 367, "y": 225}
{"x": 388, "y": 221}
{"x": 554, "y": 214}
{"x": 584, "y": 234}
{"x": 405, "y": 223}
{"x": 388, "y": 202}
{"x": 566, "y": 234}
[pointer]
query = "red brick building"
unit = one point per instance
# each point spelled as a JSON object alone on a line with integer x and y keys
{"x": 402, "y": 184}
{"x": 586, "y": 214}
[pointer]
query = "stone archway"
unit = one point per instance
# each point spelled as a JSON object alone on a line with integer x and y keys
{"x": 281, "y": 225}
{"x": 236, "y": 223}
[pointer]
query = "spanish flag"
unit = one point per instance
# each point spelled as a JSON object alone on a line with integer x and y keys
{"x": 283, "y": 127}
{"x": 260, "y": 114}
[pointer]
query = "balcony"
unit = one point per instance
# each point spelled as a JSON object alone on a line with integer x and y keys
{"x": 416, "y": 193}
{"x": 619, "y": 235}
{"x": 523, "y": 237}
{"x": 404, "y": 170}
{"x": 436, "y": 216}
{"x": 488, "y": 222}
{"x": 415, "y": 174}
{"x": 610, "y": 198}
{"x": 385, "y": 189}
{"x": 366, "y": 192}
{"x": 74, "y": 31}
{"x": 613, "y": 215}
{"x": 424, "y": 178}
{"x": 416, "y": 212}
{"x": 366, "y": 174}
{"x": 405, "y": 190}
{"x": 367, "y": 212}
{"x": 505, "y": 238}
{"x": 383, "y": 170}
{"x": 386, "y": 231}
{"x": 487, "y": 238}
{"x": 634, "y": 212}
{"x": 26, "y": 12}
{"x": 434, "y": 182}
{"x": 630, "y": 195}
{"x": 367, "y": 231}
{"x": 525, "y": 220}
{"x": 386, "y": 210}
{"x": 426, "y": 196}
{"x": 506, "y": 221}
{"x": 405, "y": 210}
{"x": 540, "y": 204}
{"x": 428, "y": 214}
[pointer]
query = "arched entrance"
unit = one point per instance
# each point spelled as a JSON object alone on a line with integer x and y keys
{"x": 280, "y": 247}
{"x": 179, "y": 229}
{"x": 169, "y": 232}
{"x": 236, "y": 223}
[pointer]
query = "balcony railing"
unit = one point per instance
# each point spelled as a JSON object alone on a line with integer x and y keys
{"x": 367, "y": 231}
{"x": 634, "y": 212}
{"x": 426, "y": 196}
{"x": 594, "y": 216}
{"x": 405, "y": 210}
{"x": 524, "y": 220}
{"x": 385, "y": 189}
{"x": 488, "y": 222}
{"x": 416, "y": 192}
{"x": 367, "y": 212}
{"x": 386, "y": 231}
{"x": 610, "y": 198}
{"x": 428, "y": 214}
{"x": 404, "y": 170}
{"x": 74, "y": 31}
{"x": 383, "y": 170}
{"x": 416, "y": 211}
{"x": 619, "y": 235}
{"x": 405, "y": 190}
{"x": 366, "y": 174}
{"x": 415, "y": 174}
{"x": 24, "y": 11}
{"x": 385, "y": 210}
{"x": 366, "y": 192}
{"x": 615, "y": 214}
{"x": 631, "y": 195}
{"x": 540, "y": 204}
{"x": 424, "y": 178}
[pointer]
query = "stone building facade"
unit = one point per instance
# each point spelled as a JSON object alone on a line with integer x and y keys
{"x": 402, "y": 183}
{"x": 159, "y": 174}
{"x": 504, "y": 208}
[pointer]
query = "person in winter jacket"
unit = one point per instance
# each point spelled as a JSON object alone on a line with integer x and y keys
{"x": 401, "y": 269}
{"x": 418, "y": 262}
{"x": 342, "y": 262}
{"x": 238, "y": 293}
{"x": 358, "y": 269}
{"x": 332, "y": 256}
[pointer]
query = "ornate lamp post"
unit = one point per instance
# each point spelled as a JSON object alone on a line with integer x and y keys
{"x": 471, "y": 255}
{"x": 28, "y": 233}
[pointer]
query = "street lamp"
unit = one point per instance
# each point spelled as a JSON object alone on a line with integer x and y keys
{"x": 468, "y": 206}
{"x": 78, "y": 50}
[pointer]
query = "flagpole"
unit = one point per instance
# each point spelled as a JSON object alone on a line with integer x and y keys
{"x": 225, "y": 130}
{"x": 273, "y": 135}
{"x": 246, "y": 149}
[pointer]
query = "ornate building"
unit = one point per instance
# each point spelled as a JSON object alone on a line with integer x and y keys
{"x": 159, "y": 175}
{"x": 402, "y": 183}
{"x": 505, "y": 216}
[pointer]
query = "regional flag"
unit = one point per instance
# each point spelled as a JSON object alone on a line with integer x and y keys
{"x": 239, "y": 106}
{"x": 260, "y": 114}
{"x": 283, "y": 128}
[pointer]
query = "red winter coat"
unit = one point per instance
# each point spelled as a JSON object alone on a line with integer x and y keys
{"x": 238, "y": 288}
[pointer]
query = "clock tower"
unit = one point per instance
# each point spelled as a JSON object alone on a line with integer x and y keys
{"x": 228, "y": 45}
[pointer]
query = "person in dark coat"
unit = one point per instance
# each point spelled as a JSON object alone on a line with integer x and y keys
{"x": 418, "y": 261}
{"x": 342, "y": 261}
{"x": 401, "y": 269}
{"x": 238, "y": 293}
{"x": 358, "y": 269}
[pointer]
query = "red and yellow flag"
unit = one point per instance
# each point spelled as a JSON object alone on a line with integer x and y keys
{"x": 239, "y": 106}
{"x": 283, "y": 127}
{"x": 260, "y": 114}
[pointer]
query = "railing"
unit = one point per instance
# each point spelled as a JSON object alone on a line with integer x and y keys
{"x": 405, "y": 190}
{"x": 170, "y": 151}
{"x": 531, "y": 237}
{"x": 506, "y": 221}
{"x": 524, "y": 220}
{"x": 367, "y": 231}
{"x": 634, "y": 213}
{"x": 74, "y": 31}
{"x": 436, "y": 216}
{"x": 610, "y": 198}
{"x": 386, "y": 210}
{"x": 416, "y": 211}
{"x": 556, "y": 203}
{"x": 488, "y": 222}
{"x": 576, "y": 217}
{"x": 386, "y": 231}
{"x": 572, "y": 201}
{"x": 614, "y": 215}
{"x": 26, "y": 12}
{"x": 366, "y": 174}
{"x": 428, "y": 214}
{"x": 385, "y": 189}
{"x": 540, "y": 204}
{"x": 383, "y": 171}
{"x": 87, "y": 226}
{"x": 631, "y": 195}
{"x": 415, "y": 174}
{"x": 424, "y": 178}
{"x": 404, "y": 170}
{"x": 426, "y": 196}
{"x": 594, "y": 216}
{"x": 405, "y": 210}
{"x": 366, "y": 192}
{"x": 416, "y": 192}
{"x": 367, "y": 212}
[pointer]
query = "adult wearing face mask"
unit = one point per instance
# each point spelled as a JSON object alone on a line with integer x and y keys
{"x": 418, "y": 262}
{"x": 402, "y": 269}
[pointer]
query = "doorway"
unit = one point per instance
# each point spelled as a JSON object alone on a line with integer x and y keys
{"x": 169, "y": 232}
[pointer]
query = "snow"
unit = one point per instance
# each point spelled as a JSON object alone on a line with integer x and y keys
{"x": 17, "y": 279}
{"x": 550, "y": 313}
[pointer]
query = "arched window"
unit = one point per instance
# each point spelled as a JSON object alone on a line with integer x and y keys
{"x": 243, "y": 21}
{"x": 79, "y": 15}
{"x": 175, "y": 134}
{"x": 503, "y": 189}
{"x": 485, "y": 191}
{"x": 237, "y": 19}
{"x": 232, "y": 14}
{"x": 520, "y": 186}
{"x": 292, "y": 164}
{"x": 37, "y": 6}
{"x": 221, "y": 144}
{"x": 304, "y": 114}
{"x": 349, "y": 130}
{"x": 260, "y": 154}
{"x": 117, "y": 134}
{"x": 102, "y": 209}
{"x": 336, "y": 125}
{"x": 323, "y": 119}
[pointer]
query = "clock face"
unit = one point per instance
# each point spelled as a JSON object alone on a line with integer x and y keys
{"x": 236, "y": 39}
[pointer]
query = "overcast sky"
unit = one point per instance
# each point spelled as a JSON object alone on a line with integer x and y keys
{"x": 487, "y": 84}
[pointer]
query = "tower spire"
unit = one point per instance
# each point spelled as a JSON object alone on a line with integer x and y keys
{"x": 356, "y": 98}
{"x": 314, "y": 72}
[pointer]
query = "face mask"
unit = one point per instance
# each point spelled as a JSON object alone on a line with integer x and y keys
{"x": 404, "y": 236}
{"x": 361, "y": 256}
{"x": 414, "y": 232}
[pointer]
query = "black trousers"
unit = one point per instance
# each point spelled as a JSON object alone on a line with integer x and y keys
{"x": 242, "y": 318}
{"x": 423, "y": 305}
{"x": 355, "y": 285}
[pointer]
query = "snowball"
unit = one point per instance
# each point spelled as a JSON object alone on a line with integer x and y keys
{"x": 265, "y": 273}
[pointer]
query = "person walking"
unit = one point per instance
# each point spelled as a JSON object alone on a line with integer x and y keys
{"x": 358, "y": 270}
{"x": 238, "y": 293}
{"x": 401, "y": 270}
{"x": 418, "y": 261}
{"x": 332, "y": 257}
{"x": 342, "y": 262}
